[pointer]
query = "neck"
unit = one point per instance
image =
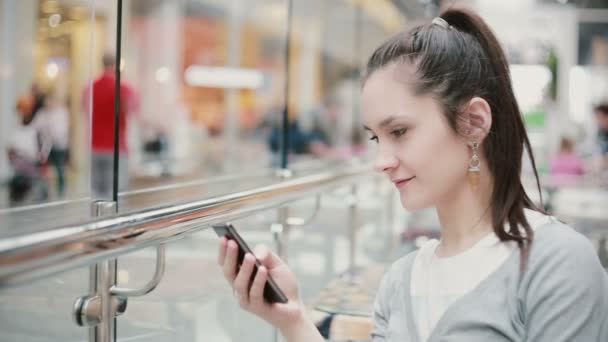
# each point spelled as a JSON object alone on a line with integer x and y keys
{"x": 465, "y": 218}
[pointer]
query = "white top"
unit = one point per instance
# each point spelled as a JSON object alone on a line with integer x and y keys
{"x": 23, "y": 140}
{"x": 561, "y": 297}
{"x": 438, "y": 282}
{"x": 53, "y": 126}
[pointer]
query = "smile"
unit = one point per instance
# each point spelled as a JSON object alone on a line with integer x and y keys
{"x": 400, "y": 183}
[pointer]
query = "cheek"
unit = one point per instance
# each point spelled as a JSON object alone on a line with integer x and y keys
{"x": 435, "y": 152}
{"x": 439, "y": 163}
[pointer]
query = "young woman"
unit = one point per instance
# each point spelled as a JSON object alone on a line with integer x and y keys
{"x": 439, "y": 103}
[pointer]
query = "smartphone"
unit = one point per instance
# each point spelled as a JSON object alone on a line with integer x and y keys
{"x": 272, "y": 292}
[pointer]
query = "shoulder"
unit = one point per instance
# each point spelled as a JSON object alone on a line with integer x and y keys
{"x": 101, "y": 79}
{"x": 404, "y": 263}
{"x": 562, "y": 258}
{"x": 553, "y": 237}
{"x": 392, "y": 284}
{"x": 398, "y": 271}
{"x": 558, "y": 240}
{"x": 564, "y": 290}
{"x": 39, "y": 119}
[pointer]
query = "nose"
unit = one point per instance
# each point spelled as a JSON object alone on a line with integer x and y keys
{"x": 385, "y": 161}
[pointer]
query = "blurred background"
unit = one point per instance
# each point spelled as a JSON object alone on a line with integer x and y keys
{"x": 207, "y": 90}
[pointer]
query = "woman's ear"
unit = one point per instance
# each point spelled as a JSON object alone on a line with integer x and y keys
{"x": 477, "y": 118}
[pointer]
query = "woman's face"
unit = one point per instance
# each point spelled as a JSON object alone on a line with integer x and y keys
{"x": 416, "y": 148}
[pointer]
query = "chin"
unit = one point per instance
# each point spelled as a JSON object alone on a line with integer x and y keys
{"x": 410, "y": 203}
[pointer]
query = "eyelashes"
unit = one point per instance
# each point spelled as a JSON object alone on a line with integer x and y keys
{"x": 396, "y": 133}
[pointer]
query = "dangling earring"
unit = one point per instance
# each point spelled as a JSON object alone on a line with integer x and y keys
{"x": 474, "y": 170}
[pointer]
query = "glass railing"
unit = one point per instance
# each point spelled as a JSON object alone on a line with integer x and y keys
{"x": 192, "y": 301}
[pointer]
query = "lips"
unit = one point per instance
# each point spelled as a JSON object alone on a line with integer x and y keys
{"x": 402, "y": 181}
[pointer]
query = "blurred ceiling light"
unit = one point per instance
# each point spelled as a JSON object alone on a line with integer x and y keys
{"x": 52, "y": 70}
{"x": 163, "y": 74}
{"x": 54, "y": 20}
{"x": 223, "y": 77}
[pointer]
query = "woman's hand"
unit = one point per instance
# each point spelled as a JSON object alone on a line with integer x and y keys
{"x": 289, "y": 318}
{"x": 251, "y": 295}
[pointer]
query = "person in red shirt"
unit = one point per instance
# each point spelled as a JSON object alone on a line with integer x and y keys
{"x": 100, "y": 99}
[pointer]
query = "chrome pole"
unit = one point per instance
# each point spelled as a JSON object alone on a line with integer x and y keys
{"x": 280, "y": 233}
{"x": 104, "y": 277}
{"x": 93, "y": 331}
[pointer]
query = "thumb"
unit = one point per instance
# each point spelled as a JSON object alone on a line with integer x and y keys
{"x": 267, "y": 257}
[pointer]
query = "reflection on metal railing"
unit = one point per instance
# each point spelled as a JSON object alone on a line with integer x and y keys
{"x": 44, "y": 253}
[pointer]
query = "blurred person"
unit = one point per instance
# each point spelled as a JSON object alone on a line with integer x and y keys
{"x": 601, "y": 118}
{"x": 39, "y": 98}
{"x": 52, "y": 123}
{"x": 323, "y": 135}
{"x": 102, "y": 102}
{"x": 29, "y": 104}
{"x": 334, "y": 138}
{"x": 439, "y": 103}
{"x": 25, "y": 106}
{"x": 600, "y": 162}
{"x": 35, "y": 98}
{"x": 566, "y": 166}
{"x": 25, "y": 153}
{"x": 300, "y": 141}
{"x": 324, "y": 119}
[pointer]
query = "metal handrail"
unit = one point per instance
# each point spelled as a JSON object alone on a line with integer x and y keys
{"x": 42, "y": 254}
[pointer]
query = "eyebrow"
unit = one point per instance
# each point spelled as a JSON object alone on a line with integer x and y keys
{"x": 383, "y": 123}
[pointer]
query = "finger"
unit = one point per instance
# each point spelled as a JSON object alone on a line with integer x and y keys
{"x": 256, "y": 293}
{"x": 243, "y": 278}
{"x": 230, "y": 265}
{"x": 222, "y": 253}
{"x": 267, "y": 257}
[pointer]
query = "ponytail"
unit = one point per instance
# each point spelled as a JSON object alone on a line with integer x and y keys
{"x": 511, "y": 195}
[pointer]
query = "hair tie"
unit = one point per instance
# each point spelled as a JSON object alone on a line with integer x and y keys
{"x": 441, "y": 22}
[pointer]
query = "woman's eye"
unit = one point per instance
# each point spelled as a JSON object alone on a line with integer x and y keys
{"x": 374, "y": 138}
{"x": 399, "y": 132}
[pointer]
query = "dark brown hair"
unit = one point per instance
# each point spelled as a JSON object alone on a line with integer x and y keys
{"x": 108, "y": 60}
{"x": 601, "y": 108}
{"x": 566, "y": 144}
{"x": 455, "y": 64}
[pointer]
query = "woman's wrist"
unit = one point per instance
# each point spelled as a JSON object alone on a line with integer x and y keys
{"x": 301, "y": 329}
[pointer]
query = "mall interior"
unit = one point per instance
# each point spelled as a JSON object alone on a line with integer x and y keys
{"x": 245, "y": 111}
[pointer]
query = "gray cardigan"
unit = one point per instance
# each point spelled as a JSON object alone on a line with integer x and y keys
{"x": 562, "y": 296}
